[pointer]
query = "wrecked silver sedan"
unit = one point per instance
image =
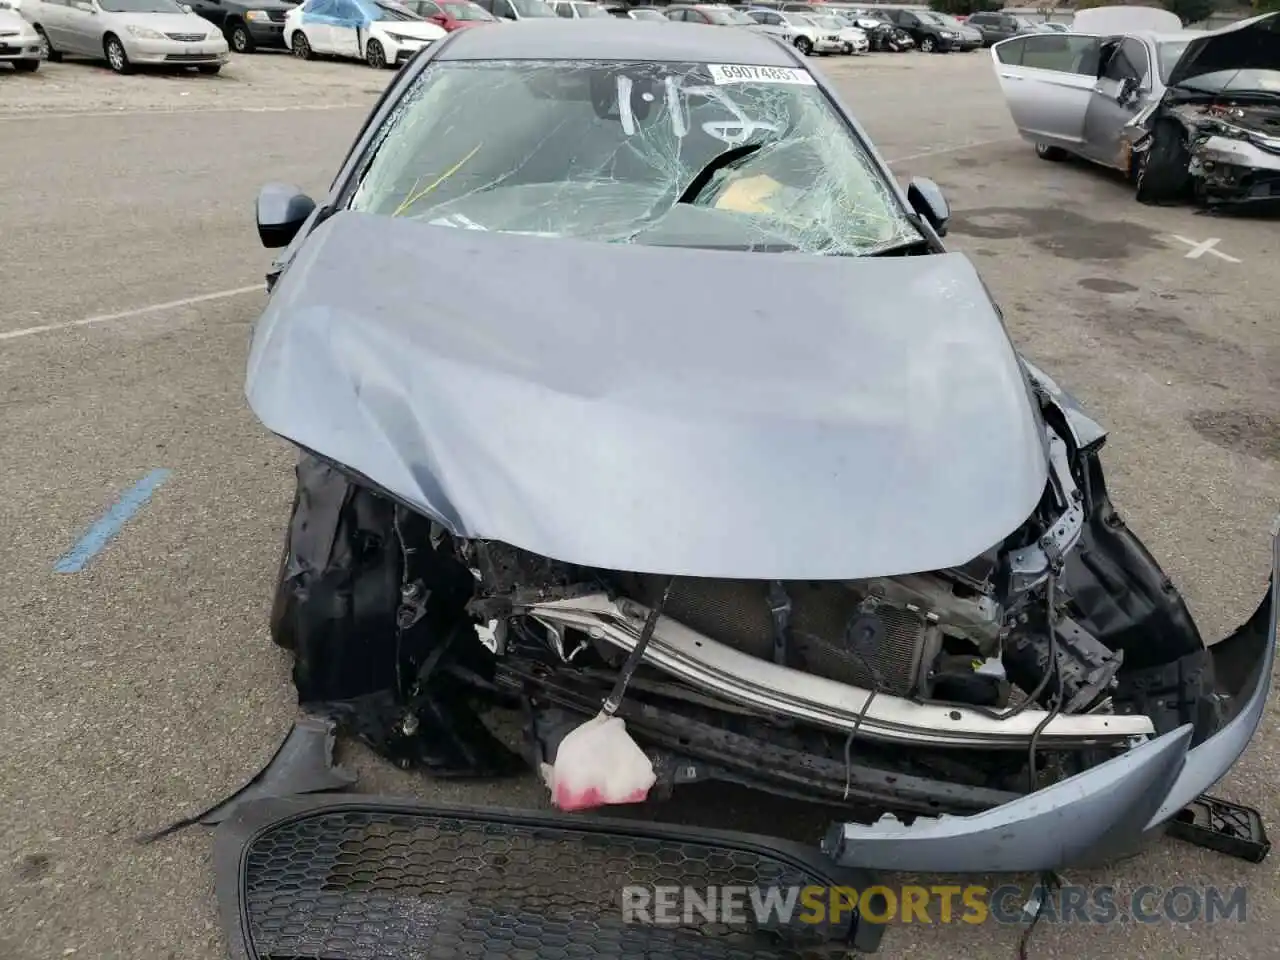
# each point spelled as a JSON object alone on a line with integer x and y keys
{"x": 567, "y": 439}
{"x": 1184, "y": 114}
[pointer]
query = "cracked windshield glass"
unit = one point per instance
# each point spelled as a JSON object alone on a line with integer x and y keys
{"x": 673, "y": 154}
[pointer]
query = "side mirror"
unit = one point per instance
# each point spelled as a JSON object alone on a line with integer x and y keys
{"x": 86, "y": 7}
{"x": 437, "y": 18}
{"x": 927, "y": 200}
{"x": 282, "y": 210}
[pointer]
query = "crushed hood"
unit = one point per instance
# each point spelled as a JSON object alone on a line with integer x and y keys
{"x": 654, "y": 409}
{"x": 1252, "y": 44}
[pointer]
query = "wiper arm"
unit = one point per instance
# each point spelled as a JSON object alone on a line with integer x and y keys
{"x": 904, "y": 248}
{"x": 718, "y": 163}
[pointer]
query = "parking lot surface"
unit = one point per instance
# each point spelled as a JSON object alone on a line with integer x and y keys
{"x": 144, "y": 687}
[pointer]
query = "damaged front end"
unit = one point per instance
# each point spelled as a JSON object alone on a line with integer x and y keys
{"x": 1235, "y": 149}
{"x": 1216, "y": 130}
{"x": 928, "y": 696}
{"x": 881, "y": 574}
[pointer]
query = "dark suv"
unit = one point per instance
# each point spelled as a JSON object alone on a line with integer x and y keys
{"x": 930, "y": 35}
{"x": 995, "y": 27}
{"x": 246, "y": 24}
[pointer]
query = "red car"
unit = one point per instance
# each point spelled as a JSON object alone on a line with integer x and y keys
{"x": 451, "y": 14}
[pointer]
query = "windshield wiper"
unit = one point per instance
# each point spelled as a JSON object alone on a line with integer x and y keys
{"x": 905, "y": 248}
{"x": 718, "y": 163}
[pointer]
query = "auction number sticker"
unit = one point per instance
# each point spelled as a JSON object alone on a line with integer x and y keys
{"x": 741, "y": 73}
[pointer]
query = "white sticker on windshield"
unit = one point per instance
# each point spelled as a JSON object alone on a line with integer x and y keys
{"x": 742, "y": 73}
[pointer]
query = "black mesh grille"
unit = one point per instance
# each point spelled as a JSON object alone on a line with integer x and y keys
{"x": 390, "y": 885}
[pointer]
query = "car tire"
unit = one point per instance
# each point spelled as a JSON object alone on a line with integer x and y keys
{"x": 927, "y": 45}
{"x": 300, "y": 46}
{"x": 117, "y": 59}
{"x": 374, "y": 55}
{"x": 50, "y": 54}
{"x": 239, "y": 39}
{"x": 209, "y": 69}
{"x": 1053, "y": 154}
{"x": 1163, "y": 175}
{"x": 26, "y": 66}
{"x": 805, "y": 46}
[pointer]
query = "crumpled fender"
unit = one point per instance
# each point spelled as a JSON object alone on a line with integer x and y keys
{"x": 1108, "y": 811}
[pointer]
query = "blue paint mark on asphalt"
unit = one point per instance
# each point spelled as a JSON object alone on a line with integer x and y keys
{"x": 109, "y": 524}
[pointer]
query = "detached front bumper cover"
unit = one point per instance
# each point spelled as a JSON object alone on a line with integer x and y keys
{"x": 1107, "y": 811}
{"x": 348, "y": 876}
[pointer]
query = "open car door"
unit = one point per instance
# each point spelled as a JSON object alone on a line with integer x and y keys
{"x": 1048, "y": 80}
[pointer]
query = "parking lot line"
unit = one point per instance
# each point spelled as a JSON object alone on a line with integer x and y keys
{"x": 109, "y": 524}
{"x": 135, "y": 312}
{"x": 1200, "y": 248}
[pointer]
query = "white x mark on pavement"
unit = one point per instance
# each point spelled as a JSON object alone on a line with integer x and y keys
{"x": 1199, "y": 249}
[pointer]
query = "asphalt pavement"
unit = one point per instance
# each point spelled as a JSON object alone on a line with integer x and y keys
{"x": 142, "y": 686}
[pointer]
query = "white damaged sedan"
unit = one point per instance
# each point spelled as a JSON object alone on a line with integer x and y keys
{"x": 379, "y": 32}
{"x": 19, "y": 42}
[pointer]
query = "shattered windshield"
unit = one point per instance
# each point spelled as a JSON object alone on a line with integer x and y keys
{"x": 676, "y": 154}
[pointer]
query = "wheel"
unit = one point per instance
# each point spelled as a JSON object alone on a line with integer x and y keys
{"x": 300, "y": 47}
{"x": 239, "y": 39}
{"x": 26, "y": 66}
{"x": 209, "y": 69}
{"x": 927, "y": 45}
{"x": 117, "y": 59}
{"x": 805, "y": 46}
{"x": 374, "y": 55}
{"x": 1046, "y": 152}
{"x": 1163, "y": 174}
{"x": 46, "y": 48}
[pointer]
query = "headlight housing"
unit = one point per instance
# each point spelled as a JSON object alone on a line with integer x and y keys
{"x": 143, "y": 33}
{"x": 257, "y": 16}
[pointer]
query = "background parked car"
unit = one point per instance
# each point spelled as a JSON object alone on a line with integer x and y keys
{"x": 1053, "y": 26}
{"x": 451, "y": 14}
{"x": 517, "y": 9}
{"x": 127, "y": 33}
{"x": 714, "y": 14}
{"x": 929, "y": 33}
{"x": 247, "y": 24}
{"x": 379, "y": 32}
{"x": 638, "y": 13}
{"x": 995, "y": 27}
{"x": 19, "y": 42}
{"x": 853, "y": 39}
{"x": 970, "y": 37}
{"x": 796, "y": 29}
{"x": 578, "y": 9}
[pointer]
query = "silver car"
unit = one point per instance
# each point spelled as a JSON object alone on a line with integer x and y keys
{"x": 127, "y": 33}
{"x": 19, "y": 43}
{"x": 798, "y": 30}
{"x": 1182, "y": 112}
